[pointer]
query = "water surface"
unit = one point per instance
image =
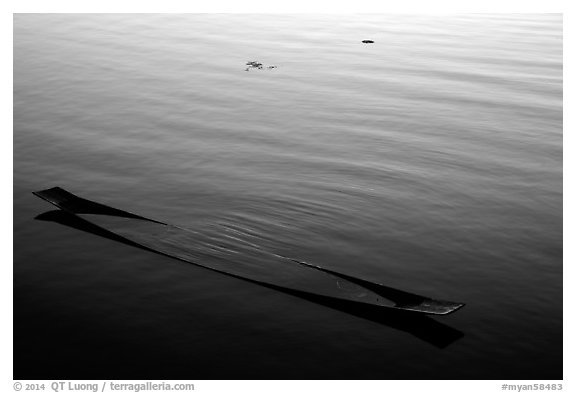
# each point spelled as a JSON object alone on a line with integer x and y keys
{"x": 429, "y": 161}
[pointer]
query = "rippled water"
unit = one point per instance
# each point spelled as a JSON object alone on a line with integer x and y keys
{"x": 429, "y": 161}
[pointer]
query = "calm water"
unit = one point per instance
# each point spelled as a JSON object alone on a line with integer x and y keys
{"x": 429, "y": 161}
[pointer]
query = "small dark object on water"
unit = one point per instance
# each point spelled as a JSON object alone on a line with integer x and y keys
{"x": 367, "y": 41}
{"x": 255, "y": 64}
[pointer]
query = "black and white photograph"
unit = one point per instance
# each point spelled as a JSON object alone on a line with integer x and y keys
{"x": 288, "y": 196}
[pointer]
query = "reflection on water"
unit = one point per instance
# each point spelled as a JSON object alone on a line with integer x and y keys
{"x": 420, "y": 326}
{"x": 429, "y": 160}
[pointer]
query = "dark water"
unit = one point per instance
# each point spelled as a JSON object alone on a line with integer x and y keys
{"x": 429, "y": 161}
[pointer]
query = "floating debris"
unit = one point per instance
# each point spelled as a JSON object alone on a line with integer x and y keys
{"x": 257, "y": 65}
{"x": 367, "y": 41}
{"x": 254, "y": 64}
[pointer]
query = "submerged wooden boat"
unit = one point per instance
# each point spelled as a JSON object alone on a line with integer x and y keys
{"x": 252, "y": 264}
